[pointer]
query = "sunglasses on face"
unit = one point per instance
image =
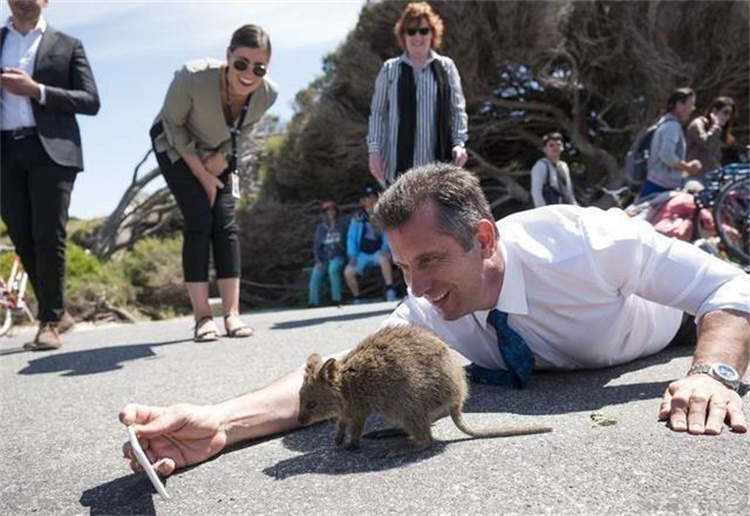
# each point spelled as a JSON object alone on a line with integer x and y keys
{"x": 422, "y": 30}
{"x": 241, "y": 65}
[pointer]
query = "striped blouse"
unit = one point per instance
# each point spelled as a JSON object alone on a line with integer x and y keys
{"x": 383, "y": 130}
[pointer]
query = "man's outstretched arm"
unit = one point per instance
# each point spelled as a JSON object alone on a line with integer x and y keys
{"x": 183, "y": 434}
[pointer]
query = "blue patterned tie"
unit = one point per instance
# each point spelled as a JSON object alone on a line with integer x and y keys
{"x": 518, "y": 358}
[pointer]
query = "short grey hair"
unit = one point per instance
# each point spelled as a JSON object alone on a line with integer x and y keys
{"x": 455, "y": 192}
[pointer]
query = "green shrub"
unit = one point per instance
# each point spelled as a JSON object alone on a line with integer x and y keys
{"x": 90, "y": 281}
{"x": 147, "y": 278}
{"x": 273, "y": 146}
{"x": 5, "y": 263}
{"x": 154, "y": 269}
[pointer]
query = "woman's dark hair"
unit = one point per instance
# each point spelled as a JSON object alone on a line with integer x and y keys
{"x": 720, "y": 103}
{"x": 678, "y": 95}
{"x": 251, "y": 36}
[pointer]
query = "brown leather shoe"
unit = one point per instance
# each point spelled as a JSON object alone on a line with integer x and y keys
{"x": 46, "y": 339}
{"x": 66, "y": 323}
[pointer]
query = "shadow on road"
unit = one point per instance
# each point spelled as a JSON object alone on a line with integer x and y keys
{"x": 132, "y": 494}
{"x": 286, "y": 325}
{"x": 93, "y": 361}
{"x": 322, "y": 457}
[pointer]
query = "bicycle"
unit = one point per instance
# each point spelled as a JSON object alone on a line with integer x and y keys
{"x": 12, "y": 293}
{"x": 727, "y": 196}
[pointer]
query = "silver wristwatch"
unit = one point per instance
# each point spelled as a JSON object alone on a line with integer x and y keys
{"x": 724, "y": 373}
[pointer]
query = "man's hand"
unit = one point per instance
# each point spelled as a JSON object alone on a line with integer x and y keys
{"x": 376, "y": 167}
{"x": 175, "y": 436}
{"x": 700, "y": 405}
{"x": 20, "y": 83}
{"x": 216, "y": 164}
{"x": 459, "y": 156}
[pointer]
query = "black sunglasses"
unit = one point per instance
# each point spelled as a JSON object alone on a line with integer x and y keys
{"x": 242, "y": 64}
{"x": 422, "y": 30}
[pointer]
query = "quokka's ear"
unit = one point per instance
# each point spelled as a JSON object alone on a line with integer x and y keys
{"x": 328, "y": 370}
{"x": 313, "y": 361}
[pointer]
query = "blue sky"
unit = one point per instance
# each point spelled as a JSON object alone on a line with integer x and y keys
{"x": 135, "y": 47}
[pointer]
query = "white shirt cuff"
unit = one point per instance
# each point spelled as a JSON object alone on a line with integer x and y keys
{"x": 42, "y": 95}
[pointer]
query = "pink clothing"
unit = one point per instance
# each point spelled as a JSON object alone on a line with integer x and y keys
{"x": 675, "y": 217}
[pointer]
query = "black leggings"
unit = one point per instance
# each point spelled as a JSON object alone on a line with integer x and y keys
{"x": 204, "y": 225}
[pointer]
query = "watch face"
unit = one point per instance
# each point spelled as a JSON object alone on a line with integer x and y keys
{"x": 726, "y": 372}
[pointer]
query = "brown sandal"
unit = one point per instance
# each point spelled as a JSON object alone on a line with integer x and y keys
{"x": 206, "y": 330}
{"x": 240, "y": 331}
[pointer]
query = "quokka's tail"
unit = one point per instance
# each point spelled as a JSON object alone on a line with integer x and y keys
{"x": 457, "y": 416}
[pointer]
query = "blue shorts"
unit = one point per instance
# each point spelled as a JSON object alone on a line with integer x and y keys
{"x": 365, "y": 260}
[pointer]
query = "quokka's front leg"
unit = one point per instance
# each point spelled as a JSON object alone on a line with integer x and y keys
{"x": 356, "y": 425}
{"x": 340, "y": 432}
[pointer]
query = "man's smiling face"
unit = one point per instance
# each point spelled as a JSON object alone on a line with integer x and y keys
{"x": 437, "y": 267}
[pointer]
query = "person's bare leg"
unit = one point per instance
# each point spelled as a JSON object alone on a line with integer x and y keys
{"x": 386, "y": 269}
{"x": 351, "y": 280}
{"x": 205, "y": 328}
{"x": 198, "y": 292}
{"x": 229, "y": 290}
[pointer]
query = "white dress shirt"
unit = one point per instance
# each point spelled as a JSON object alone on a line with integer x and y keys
{"x": 19, "y": 51}
{"x": 587, "y": 288}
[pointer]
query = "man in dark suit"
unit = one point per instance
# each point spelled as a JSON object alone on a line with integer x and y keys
{"x": 46, "y": 80}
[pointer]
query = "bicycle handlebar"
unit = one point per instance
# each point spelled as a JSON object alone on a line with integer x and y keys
{"x": 728, "y": 172}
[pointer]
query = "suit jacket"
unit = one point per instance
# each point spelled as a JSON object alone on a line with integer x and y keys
{"x": 61, "y": 66}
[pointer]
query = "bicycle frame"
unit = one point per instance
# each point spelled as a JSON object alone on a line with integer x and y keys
{"x": 12, "y": 296}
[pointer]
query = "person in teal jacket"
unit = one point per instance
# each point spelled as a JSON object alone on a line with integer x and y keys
{"x": 329, "y": 253}
{"x": 367, "y": 247}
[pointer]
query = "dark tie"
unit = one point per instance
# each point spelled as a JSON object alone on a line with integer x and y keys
{"x": 519, "y": 360}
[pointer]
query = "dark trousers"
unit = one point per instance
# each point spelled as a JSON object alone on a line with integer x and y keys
{"x": 205, "y": 226}
{"x": 34, "y": 198}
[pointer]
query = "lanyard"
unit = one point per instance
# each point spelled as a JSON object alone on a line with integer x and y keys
{"x": 236, "y": 128}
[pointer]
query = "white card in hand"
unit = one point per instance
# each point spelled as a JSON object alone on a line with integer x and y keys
{"x": 235, "y": 177}
{"x": 145, "y": 464}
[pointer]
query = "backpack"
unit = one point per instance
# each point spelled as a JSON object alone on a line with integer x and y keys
{"x": 636, "y": 160}
{"x": 550, "y": 194}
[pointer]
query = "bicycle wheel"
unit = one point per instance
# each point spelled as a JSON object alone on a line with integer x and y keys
{"x": 732, "y": 218}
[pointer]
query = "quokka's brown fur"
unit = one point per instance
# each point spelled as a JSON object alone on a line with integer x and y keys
{"x": 404, "y": 373}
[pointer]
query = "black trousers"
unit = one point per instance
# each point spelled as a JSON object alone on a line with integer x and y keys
{"x": 205, "y": 226}
{"x": 34, "y": 199}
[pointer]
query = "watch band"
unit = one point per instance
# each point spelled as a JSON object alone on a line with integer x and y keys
{"x": 715, "y": 372}
{"x": 699, "y": 368}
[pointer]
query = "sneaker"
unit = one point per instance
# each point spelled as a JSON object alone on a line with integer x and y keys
{"x": 390, "y": 295}
{"x": 358, "y": 301}
{"x": 46, "y": 339}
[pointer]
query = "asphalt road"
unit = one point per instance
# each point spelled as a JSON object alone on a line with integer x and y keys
{"x": 60, "y": 449}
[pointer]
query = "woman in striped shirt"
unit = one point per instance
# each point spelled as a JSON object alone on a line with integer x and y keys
{"x": 418, "y": 111}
